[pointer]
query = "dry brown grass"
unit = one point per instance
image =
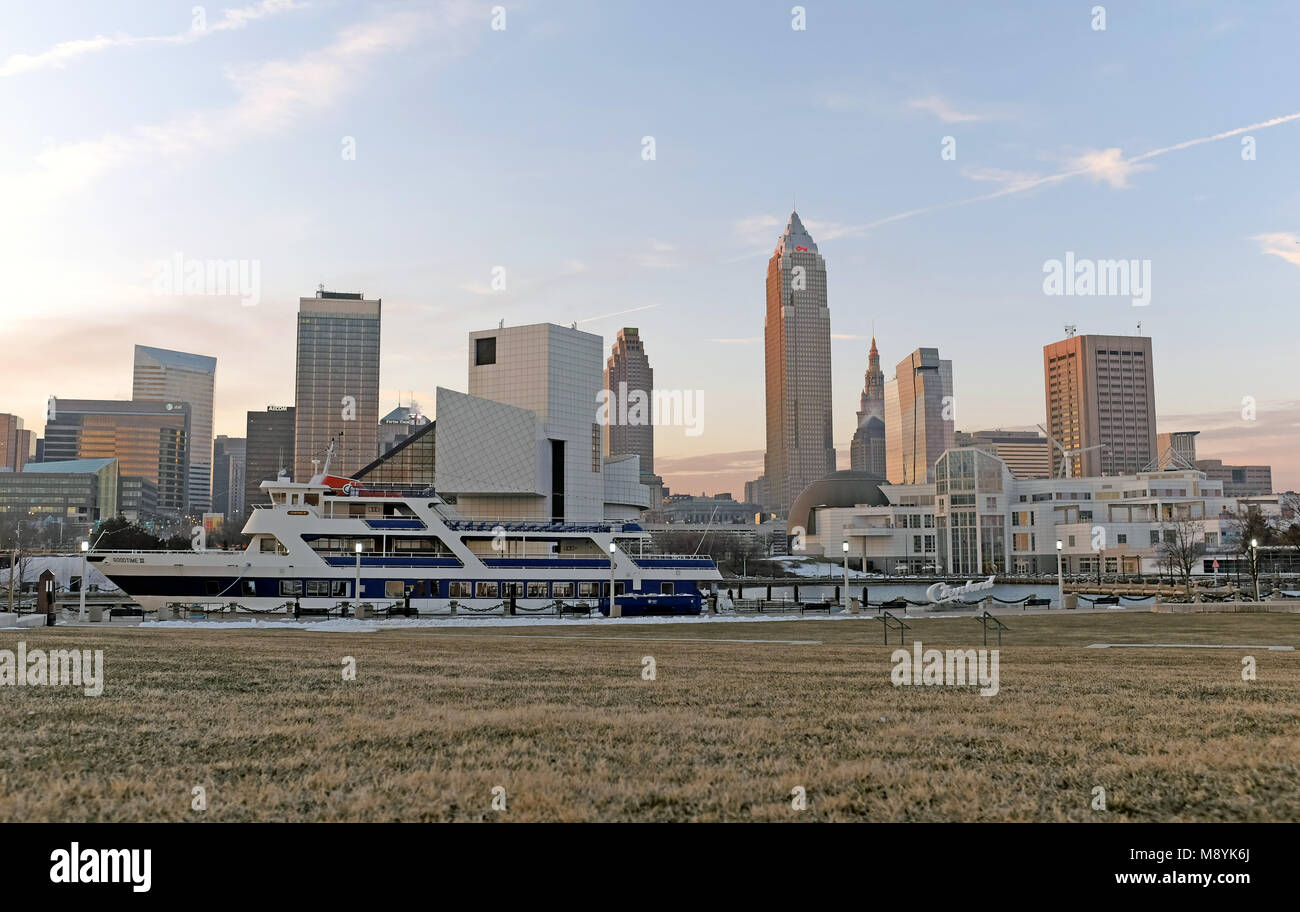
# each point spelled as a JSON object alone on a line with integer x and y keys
{"x": 435, "y": 719}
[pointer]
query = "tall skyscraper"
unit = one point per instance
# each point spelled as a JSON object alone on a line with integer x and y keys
{"x": 268, "y": 449}
{"x": 162, "y": 375}
{"x": 629, "y": 378}
{"x": 919, "y": 415}
{"x": 797, "y": 351}
{"x": 228, "y": 463}
{"x": 1100, "y": 392}
{"x": 150, "y": 440}
{"x": 17, "y": 445}
{"x": 337, "y": 382}
{"x": 867, "y": 451}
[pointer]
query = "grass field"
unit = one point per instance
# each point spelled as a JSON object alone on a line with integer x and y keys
{"x": 562, "y": 719}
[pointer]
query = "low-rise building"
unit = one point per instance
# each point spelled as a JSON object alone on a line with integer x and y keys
{"x": 977, "y": 518}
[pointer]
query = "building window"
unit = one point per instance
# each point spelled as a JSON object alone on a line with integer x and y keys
{"x": 595, "y": 447}
{"x": 1122, "y": 539}
{"x": 485, "y": 350}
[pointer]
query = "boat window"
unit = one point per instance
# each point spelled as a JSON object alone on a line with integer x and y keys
{"x": 312, "y": 500}
{"x": 460, "y": 589}
{"x": 250, "y": 587}
{"x": 268, "y": 544}
{"x": 318, "y": 588}
{"x": 339, "y": 588}
{"x": 587, "y": 590}
{"x": 515, "y": 589}
{"x": 291, "y": 587}
{"x": 562, "y": 590}
{"x": 537, "y": 590}
{"x": 394, "y": 589}
{"x": 665, "y": 588}
{"x": 486, "y": 590}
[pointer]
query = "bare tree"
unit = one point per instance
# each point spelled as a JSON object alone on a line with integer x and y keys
{"x": 1182, "y": 542}
{"x": 1251, "y": 525}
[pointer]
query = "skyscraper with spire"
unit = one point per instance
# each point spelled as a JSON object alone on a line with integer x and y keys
{"x": 797, "y": 351}
{"x": 867, "y": 451}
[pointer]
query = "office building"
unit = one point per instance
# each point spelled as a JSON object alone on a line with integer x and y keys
{"x": 337, "y": 382}
{"x": 75, "y": 493}
{"x": 1025, "y": 452}
{"x": 1238, "y": 480}
{"x": 919, "y": 416}
{"x": 867, "y": 451}
{"x": 398, "y": 425}
{"x": 630, "y": 430}
{"x": 161, "y": 375}
{"x": 268, "y": 450}
{"x": 1101, "y": 404}
{"x": 17, "y": 445}
{"x": 228, "y": 463}
{"x": 148, "y": 439}
{"x": 797, "y": 355}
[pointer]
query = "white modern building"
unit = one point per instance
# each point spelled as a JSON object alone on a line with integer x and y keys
{"x": 977, "y": 518}
{"x": 525, "y": 443}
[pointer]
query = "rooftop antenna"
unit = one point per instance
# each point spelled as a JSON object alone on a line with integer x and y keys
{"x": 1139, "y": 327}
{"x": 1071, "y": 329}
{"x": 502, "y": 324}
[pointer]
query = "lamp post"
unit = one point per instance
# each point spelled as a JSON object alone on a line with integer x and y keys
{"x": 613, "y": 606}
{"x": 1060, "y": 577}
{"x": 1254, "y": 564}
{"x": 844, "y": 546}
{"x": 357, "y": 548}
{"x": 81, "y": 612}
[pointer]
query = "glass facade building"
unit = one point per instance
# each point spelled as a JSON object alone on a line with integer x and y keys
{"x": 148, "y": 439}
{"x": 970, "y": 512}
{"x": 336, "y": 382}
{"x": 268, "y": 448}
{"x": 162, "y": 375}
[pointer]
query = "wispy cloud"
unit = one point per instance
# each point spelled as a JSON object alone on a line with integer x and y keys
{"x": 1283, "y": 244}
{"x": 661, "y": 255}
{"x": 65, "y": 52}
{"x": 943, "y": 109}
{"x": 272, "y": 97}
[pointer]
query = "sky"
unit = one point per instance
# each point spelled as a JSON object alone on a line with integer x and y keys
{"x": 940, "y": 154}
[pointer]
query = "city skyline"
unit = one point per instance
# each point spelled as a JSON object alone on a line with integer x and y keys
{"x": 1147, "y": 164}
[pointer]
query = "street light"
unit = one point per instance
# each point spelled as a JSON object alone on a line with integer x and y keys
{"x": 1254, "y": 564}
{"x": 81, "y": 612}
{"x": 1060, "y": 577}
{"x": 844, "y": 546}
{"x": 357, "y": 548}
{"x": 613, "y": 608}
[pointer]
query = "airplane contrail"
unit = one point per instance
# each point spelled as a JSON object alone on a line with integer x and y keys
{"x": 1021, "y": 186}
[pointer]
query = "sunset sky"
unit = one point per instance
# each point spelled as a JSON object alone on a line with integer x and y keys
{"x": 133, "y": 136}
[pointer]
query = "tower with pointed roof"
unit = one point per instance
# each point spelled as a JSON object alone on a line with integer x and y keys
{"x": 867, "y": 451}
{"x": 797, "y": 353}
